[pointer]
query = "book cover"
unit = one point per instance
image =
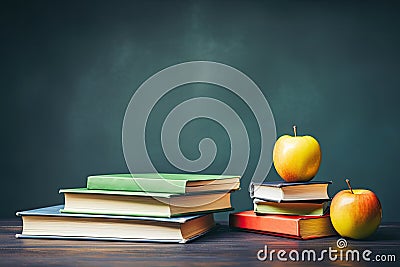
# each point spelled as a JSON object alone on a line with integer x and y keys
{"x": 55, "y": 211}
{"x": 298, "y": 227}
{"x": 99, "y": 227}
{"x": 283, "y": 184}
{"x": 163, "y": 182}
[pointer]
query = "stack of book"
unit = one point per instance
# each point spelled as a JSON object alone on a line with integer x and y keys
{"x": 142, "y": 207}
{"x": 295, "y": 210}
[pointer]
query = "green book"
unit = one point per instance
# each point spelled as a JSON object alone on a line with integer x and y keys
{"x": 291, "y": 208}
{"x": 129, "y": 203}
{"x": 164, "y": 182}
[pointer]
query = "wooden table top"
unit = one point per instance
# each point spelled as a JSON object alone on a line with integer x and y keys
{"x": 222, "y": 247}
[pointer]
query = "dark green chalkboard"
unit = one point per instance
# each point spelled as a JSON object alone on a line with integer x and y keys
{"x": 69, "y": 69}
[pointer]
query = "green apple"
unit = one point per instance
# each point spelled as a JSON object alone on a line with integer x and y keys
{"x": 355, "y": 213}
{"x": 296, "y": 158}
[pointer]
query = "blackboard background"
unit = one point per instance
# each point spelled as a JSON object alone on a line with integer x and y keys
{"x": 69, "y": 69}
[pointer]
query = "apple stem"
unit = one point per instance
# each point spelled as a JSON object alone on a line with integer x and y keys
{"x": 294, "y": 130}
{"x": 348, "y": 184}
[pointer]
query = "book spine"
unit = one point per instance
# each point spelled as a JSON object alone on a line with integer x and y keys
{"x": 251, "y": 190}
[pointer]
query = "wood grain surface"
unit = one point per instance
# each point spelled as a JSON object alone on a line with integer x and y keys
{"x": 222, "y": 247}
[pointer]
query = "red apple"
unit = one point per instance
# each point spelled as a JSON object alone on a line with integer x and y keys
{"x": 296, "y": 158}
{"x": 355, "y": 213}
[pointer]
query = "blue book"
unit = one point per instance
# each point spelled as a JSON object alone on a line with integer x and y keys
{"x": 50, "y": 223}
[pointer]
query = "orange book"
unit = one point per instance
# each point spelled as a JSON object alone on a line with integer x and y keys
{"x": 299, "y": 227}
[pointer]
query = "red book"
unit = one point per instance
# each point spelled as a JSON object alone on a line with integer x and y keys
{"x": 299, "y": 227}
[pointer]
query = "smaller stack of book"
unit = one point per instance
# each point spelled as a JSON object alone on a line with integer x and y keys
{"x": 141, "y": 207}
{"x": 295, "y": 210}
